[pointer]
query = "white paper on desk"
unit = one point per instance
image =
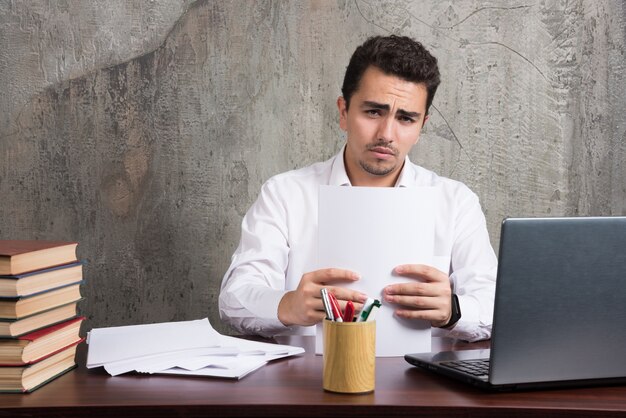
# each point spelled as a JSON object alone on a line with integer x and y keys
{"x": 161, "y": 361}
{"x": 188, "y": 347}
{"x": 200, "y": 362}
{"x": 249, "y": 347}
{"x": 243, "y": 368}
{"x": 371, "y": 230}
{"x": 114, "y": 344}
{"x": 252, "y": 355}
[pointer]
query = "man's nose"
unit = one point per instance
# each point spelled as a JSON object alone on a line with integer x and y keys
{"x": 386, "y": 129}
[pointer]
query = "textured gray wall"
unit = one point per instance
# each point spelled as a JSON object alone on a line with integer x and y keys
{"x": 145, "y": 129}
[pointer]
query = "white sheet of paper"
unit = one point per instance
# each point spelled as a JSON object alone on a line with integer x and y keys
{"x": 200, "y": 362}
{"x": 161, "y": 361}
{"x": 112, "y": 344}
{"x": 188, "y": 347}
{"x": 253, "y": 355}
{"x": 244, "y": 367}
{"x": 371, "y": 231}
{"x": 249, "y": 347}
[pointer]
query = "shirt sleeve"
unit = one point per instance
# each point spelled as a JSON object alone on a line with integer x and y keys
{"x": 474, "y": 269}
{"x": 255, "y": 281}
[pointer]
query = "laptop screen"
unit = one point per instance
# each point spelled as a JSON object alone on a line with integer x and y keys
{"x": 560, "y": 300}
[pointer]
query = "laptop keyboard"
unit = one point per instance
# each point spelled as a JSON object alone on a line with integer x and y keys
{"x": 478, "y": 367}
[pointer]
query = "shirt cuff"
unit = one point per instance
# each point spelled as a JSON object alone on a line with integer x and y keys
{"x": 266, "y": 312}
{"x": 469, "y": 328}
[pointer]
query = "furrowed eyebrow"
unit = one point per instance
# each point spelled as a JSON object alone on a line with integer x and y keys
{"x": 375, "y": 105}
{"x": 381, "y": 106}
{"x": 415, "y": 115}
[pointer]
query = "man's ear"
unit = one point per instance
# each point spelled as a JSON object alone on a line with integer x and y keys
{"x": 343, "y": 113}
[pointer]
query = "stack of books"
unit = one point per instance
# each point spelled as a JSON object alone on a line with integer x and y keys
{"x": 39, "y": 323}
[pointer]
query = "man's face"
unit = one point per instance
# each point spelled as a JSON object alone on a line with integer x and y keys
{"x": 383, "y": 122}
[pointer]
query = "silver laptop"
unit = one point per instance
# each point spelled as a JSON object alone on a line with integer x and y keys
{"x": 560, "y": 308}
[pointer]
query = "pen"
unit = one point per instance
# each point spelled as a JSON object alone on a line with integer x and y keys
{"x": 335, "y": 307}
{"x": 327, "y": 305}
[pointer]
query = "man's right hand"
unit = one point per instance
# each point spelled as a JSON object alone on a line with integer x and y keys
{"x": 304, "y": 306}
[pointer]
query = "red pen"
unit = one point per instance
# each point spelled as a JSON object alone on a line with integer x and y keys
{"x": 335, "y": 306}
{"x": 348, "y": 313}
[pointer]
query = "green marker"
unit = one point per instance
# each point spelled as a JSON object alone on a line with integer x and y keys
{"x": 373, "y": 306}
{"x": 371, "y": 314}
{"x": 367, "y": 308}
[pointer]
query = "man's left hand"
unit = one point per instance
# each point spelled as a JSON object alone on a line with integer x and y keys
{"x": 427, "y": 298}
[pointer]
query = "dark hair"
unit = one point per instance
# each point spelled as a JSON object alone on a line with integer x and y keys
{"x": 399, "y": 56}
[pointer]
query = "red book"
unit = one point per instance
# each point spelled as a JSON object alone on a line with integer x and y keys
{"x": 21, "y": 256}
{"x": 38, "y": 345}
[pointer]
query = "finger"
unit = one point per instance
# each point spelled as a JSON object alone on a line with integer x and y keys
{"x": 319, "y": 305}
{"x": 415, "y": 302}
{"x": 421, "y": 271}
{"x": 316, "y": 312}
{"x": 310, "y": 304}
{"x": 331, "y": 275}
{"x": 343, "y": 295}
{"x": 435, "y": 317}
{"x": 412, "y": 289}
{"x": 414, "y": 314}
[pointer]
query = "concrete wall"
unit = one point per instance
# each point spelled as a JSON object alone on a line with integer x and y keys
{"x": 145, "y": 129}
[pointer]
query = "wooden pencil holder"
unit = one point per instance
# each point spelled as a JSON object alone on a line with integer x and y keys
{"x": 349, "y": 356}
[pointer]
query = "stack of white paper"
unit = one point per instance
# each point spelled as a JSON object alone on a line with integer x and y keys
{"x": 188, "y": 347}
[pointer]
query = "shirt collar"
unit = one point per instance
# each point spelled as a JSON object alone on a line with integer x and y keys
{"x": 407, "y": 175}
{"x": 339, "y": 176}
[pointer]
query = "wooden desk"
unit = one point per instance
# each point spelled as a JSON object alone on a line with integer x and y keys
{"x": 292, "y": 387}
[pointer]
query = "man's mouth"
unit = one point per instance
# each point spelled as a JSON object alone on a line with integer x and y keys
{"x": 382, "y": 152}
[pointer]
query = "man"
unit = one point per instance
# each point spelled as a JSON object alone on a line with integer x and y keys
{"x": 272, "y": 287}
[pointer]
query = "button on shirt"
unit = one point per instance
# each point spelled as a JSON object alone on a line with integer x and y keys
{"x": 279, "y": 238}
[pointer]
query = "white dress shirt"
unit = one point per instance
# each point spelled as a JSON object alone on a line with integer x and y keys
{"x": 278, "y": 246}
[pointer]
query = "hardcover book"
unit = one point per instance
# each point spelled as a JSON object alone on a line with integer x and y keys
{"x": 16, "y": 328}
{"x": 38, "y": 281}
{"x": 21, "y": 307}
{"x": 21, "y": 256}
{"x": 30, "y": 377}
{"x": 35, "y": 346}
